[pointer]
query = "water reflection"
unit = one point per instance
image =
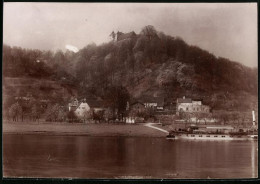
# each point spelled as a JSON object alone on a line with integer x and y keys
{"x": 254, "y": 159}
{"x": 110, "y": 157}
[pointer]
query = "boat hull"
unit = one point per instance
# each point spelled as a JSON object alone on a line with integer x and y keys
{"x": 213, "y": 137}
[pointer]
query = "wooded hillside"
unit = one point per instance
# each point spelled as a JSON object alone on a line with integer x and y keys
{"x": 149, "y": 63}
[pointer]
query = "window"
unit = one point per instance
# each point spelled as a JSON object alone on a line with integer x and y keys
{"x": 223, "y": 136}
{"x": 215, "y": 136}
{"x": 187, "y": 109}
{"x": 192, "y": 135}
{"x": 200, "y": 135}
{"x": 83, "y": 107}
{"x": 208, "y": 136}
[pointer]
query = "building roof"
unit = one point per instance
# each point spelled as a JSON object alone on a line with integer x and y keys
{"x": 184, "y": 100}
{"x": 136, "y": 102}
{"x": 92, "y": 102}
{"x": 197, "y": 99}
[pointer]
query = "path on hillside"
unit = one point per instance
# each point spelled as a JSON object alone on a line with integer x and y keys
{"x": 151, "y": 126}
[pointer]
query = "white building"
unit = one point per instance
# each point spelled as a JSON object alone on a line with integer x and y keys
{"x": 190, "y": 106}
{"x": 86, "y": 106}
{"x": 82, "y": 109}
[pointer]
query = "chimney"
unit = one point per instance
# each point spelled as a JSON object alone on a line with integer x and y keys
{"x": 183, "y": 97}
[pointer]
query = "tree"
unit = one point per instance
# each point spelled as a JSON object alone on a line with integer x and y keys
{"x": 234, "y": 116}
{"x": 14, "y": 111}
{"x": 108, "y": 115}
{"x": 87, "y": 115}
{"x": 98, "y": 116}
{"x": 36, "y": 112}
{"x": 198, "y": 116}
{"x": 222, "y": 116}
{"x": 8, "y": 101}
{"x": 61, "y": 115}
{"x": 52, "y": 112}
{"x": 149, "y": 31}
{"x": 72, "y": 117}
{"x": 149, "y": 113}
{"x": 186, "y": 117}
{"x": 202, "y": 116}
{"x": 116, "y": 98}
{"x": 242, "y": 118}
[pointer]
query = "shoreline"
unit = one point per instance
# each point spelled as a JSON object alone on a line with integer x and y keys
{"x": 91, "y": 130}
{"x": 80, "y": 134}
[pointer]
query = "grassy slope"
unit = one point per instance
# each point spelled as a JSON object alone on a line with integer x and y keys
{"x": 21, "y": 86}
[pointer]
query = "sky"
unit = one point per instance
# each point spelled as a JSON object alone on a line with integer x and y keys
{"x": 224, "y": 29}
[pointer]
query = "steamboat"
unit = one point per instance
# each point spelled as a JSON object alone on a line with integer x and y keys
{"x": 215, "y": 133}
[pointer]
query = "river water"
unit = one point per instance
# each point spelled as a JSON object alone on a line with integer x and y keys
{"x": 126, "y": 157}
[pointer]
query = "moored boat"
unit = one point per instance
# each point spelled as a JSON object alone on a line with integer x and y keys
{"x": 211, "y": 136}
{"x": 215, "y": 132}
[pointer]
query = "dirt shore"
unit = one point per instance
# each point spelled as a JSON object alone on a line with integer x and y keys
{"x": 102, "y": 129}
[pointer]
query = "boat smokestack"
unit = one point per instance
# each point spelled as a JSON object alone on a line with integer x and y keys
{"x": 253, "y": 114}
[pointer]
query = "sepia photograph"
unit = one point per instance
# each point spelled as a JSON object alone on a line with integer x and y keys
{"x": 130, "y": 90}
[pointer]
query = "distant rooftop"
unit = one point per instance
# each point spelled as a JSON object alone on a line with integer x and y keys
{"x": 184, "y": 100}
{"x": 136, "y": 102}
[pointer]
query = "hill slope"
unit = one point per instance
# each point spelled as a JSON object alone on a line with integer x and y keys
{"x": 146, "y": 64}
{"x": 28, "y": 72}
{"x": 154, "y": 64}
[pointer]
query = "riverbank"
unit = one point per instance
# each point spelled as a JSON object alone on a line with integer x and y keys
{"x": 102, "y": 129}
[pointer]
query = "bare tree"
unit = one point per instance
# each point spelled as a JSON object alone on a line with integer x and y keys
{"x": 35, "y": 112}
{"x": 15, "y": 111}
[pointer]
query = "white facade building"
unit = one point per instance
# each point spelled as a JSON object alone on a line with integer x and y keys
{"x": 190, "y": 106}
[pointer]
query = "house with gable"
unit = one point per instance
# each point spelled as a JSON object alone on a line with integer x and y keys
{"x": 85, "y": 106}
{"x": 82, "y": 109}
{"x": 137, "y": 106}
